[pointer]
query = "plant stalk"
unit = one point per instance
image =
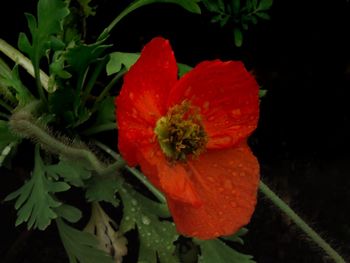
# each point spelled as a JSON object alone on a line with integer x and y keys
{"x": 23, "y": 61}
{"x": 300, "y": 223}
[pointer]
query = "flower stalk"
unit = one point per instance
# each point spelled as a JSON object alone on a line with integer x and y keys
{"x": 300, "y": 223}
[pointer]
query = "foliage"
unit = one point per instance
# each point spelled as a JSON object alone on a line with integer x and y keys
{"x": 69, "y": 104}
{"x": 238, "y": 14}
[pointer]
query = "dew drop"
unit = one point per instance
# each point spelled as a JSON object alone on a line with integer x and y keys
{"x": 211, "y": 179}
{"x": 133, "y": 209}
{"x": 145, "y": 220}
{"x": 236, "y": 113}
{"x": 188, "y": 91}
{"x": 134, "y": 113}
{"x": 206, "y": 106}
{"x": 211, "y": 118}
{"x": 242, "y": 174}
{"x": 131, "y": 95}
{"x": 233, "y": 204}
{"x": 228, "y": 184}
{"x": 127, "y": 218}
{"x": 133, "y": 202}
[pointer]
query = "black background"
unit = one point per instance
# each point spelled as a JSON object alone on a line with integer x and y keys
{"x": 301, "y": 56}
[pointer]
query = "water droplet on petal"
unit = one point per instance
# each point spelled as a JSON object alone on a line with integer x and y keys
{"x": 206, "y": 106}
{"x": 236, "y": 113}
{"x": 188, "y": 91}
{"x": 228, "y": 184}
{"x": 233, "y": 204}
{"x": 211, "y": 118}
{"x": 131, "y": 95}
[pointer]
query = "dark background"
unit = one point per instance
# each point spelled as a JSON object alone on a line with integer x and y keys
{"x": 301, "y": 56}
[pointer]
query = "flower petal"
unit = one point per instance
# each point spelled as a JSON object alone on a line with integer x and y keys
{"x": 141, "y": 100}
{"x": 171, "y": 179}
{"x": 228, "y": 98}
{"x": 226, "y": 181}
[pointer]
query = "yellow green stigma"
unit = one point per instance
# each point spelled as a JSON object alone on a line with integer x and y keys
{"x": 180, "y": 133}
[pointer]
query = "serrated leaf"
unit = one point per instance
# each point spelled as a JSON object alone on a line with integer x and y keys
{"x": 50, "y": 16}
{"x": 265, "y": 4}
{"x": 81, "y": 246}
{"x": 102, "y": 189}
{"x": 81, "y": 56}
{"x": 69, "y": 213}
{"x": 156, "y": 236}
{"x": 6, "y": 136}
{"x": 87, "y": 9}
{"x": 217, "y": 251}
{"x": 119, "y": 59}
{"x": 263, "y": 15}
{"x": 35, "y": 201}
{"x": 13, "y": 81}
{"x": 238, "y": 37}
{"x": 71, "y": 172}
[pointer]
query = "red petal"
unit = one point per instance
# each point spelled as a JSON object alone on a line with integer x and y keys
{"x": 171, "y": 179}
{"x": 141, "y": 100}
{"x": 227, "y": 182}
{"x": 227, "y": 96}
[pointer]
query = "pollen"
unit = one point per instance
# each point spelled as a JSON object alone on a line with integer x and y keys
{"x": 180, "y": 132}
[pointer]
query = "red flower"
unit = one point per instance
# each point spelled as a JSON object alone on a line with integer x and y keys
{"x": 190, "y": 138}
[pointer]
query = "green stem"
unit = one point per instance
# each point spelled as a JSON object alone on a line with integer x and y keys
{"x": 300, "y": 223}
{"x": 105, "y": 91}
{"x": 4, "y": 115}
{"x": 90, "y": 84}
{"x": 23, "y": 61}
{"x": 135, "y": 172}
{"x": 5, "y": 105}
{"x": 100, "y": 128}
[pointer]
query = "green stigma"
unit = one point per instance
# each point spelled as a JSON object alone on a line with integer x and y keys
{"x": 180, "y": 133}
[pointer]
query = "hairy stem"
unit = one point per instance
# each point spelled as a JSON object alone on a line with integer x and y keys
{"x": 300, "y": 223}
{"x": 135, "y": 172}
{"x": 26, "y": 126}
{"x": 23, "y": 61}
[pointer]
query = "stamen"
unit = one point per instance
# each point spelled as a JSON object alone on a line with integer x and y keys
{"x": 180, "y": 133}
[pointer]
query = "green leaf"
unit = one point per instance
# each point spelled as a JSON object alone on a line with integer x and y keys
{"x": 6, "y": 136}
{"x": 262, "y": 93}
{"x": 217, "y": 251}
{"x": 238, "y": 37}
{"x": 8, "y": 141}
{"x": 102, "y": 189}
{"x": 81, "y": 56}
{"x": 265, "y": 4}
{"x": 87, "y": 9}
{"x": 13, "y": 81}
{"x": 156, "y": 236}
{"x": 263, "y": 15}
{"x": 68, "y": 212}
{"x": 105, "y": 112}
{"x": 119, "y": 59}
{"x": 50, "y": 16}
{"x": 183, "y": 69}
{"x": 72, "y": 172}
{"x": 81, "y": 246}
{"x": 237, "y": 237}
{"x": 236, "y": 5}
{"x": 35, "y": 201}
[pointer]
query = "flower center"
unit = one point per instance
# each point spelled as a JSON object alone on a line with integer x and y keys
{"x": 180, "y": 133}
